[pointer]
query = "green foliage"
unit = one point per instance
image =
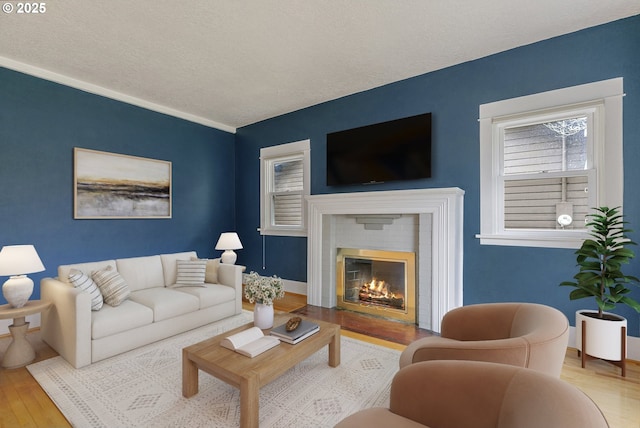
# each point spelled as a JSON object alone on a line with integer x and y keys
{"x": 601, "y": 258}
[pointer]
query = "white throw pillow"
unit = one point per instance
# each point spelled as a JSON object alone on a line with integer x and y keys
{"x": 112, "y": 285}
{"x": 190, "y": 273}
{"x": 211, "y": 272}
{"x": 80, "y": 280}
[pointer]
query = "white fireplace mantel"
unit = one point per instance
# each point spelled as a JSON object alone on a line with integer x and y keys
{"x": 445, "y": 206}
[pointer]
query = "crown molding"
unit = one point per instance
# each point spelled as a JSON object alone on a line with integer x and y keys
{"x": 108, "y": 93}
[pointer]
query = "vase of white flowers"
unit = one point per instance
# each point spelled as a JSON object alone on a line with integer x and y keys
{"x": 263, "y": 290}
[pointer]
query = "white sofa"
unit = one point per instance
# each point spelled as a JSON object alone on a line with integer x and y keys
{"x": 154, "y": 309}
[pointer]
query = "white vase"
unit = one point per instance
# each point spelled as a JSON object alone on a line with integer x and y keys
{"x": 263, "y": 316}
{"x": 604, "y": 339}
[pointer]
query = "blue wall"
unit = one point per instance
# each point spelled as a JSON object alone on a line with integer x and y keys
{"x": 40, "y": 124}
{"x": 453, "y": 95}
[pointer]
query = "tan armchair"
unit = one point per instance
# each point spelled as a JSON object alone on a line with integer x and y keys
{"x": 520, "y": 334}
{"x": 454, "y": 394}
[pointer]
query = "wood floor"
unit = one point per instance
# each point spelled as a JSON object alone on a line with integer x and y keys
{"x": 24, "y": 404}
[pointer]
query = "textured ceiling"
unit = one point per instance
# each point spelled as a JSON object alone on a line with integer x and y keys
{"x": 229, "y": 63}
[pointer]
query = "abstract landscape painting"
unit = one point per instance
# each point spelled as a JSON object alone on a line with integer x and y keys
{"x": 109, "y": 185}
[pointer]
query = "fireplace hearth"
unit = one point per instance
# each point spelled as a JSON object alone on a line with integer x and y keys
{"x": 377, "y": 282}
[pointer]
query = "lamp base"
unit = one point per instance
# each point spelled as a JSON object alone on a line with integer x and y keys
{"x": 17, "y": 290}
{"x": 229, "y": 257}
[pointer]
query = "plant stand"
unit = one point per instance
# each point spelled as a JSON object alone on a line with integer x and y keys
{"x": 623, "y": 350}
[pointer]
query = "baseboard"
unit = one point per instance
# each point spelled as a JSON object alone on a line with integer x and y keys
{"x": 296, "y": 287}
{"x": 290, "y": 286}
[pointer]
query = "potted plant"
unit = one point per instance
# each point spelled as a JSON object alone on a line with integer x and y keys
{"x": 600, "y": 259}
{"x": 263, "y": 290}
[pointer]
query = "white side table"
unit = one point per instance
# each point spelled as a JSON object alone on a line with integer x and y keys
{"x": 20, "y": 352}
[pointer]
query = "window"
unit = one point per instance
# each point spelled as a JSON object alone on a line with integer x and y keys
{"x": 543, "y": 163}
{"x": 284, "y": 176}
{"x": 547, "y": 171}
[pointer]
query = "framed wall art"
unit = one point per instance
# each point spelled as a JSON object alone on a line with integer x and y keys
{"x": 110, "y": 185}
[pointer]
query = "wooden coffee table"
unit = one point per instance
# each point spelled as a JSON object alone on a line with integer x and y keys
{"x": 250, "y": 374}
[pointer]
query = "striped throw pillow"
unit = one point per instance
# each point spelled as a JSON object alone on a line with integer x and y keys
{"x": 112, "y": 285}
{"x": 80, "y": 280}
{"x": 191, "y": 273}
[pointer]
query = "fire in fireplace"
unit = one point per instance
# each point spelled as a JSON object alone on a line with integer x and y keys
{"x": 377, "y": 292}
{"x": 377, "y": 282}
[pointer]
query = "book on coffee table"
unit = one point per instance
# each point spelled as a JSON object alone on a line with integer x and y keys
{"x": 304, "y": 330}
{"x": 250, "y": 342}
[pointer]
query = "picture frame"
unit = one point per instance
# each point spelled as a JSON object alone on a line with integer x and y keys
{"x": 117, "y": 186}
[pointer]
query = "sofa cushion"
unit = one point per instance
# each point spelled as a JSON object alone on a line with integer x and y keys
{"x": 82, "y": 281}
{"x": 190, "y": 273}
{"x": 211, "y": 294}
{"x": 112, "y": 285}
{"x": 116, "y": 319}
{"x": 211, "y": 272}
{"x": 166, "y": 303}
{"x": 169, "y": 265}
{"x": 87, "y": 268}
{"x": 141, "y": 272}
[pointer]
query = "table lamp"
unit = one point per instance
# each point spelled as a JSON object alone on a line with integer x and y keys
{"x": 16, "y": 261}
{"x": 228, "y": 242}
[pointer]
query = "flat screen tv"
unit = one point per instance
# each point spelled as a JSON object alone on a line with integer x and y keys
{"x": 389, "y": 151}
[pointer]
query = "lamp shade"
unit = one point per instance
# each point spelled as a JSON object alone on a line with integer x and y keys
{"x": 19, "y": 260}
{"x": 229, "y": 241}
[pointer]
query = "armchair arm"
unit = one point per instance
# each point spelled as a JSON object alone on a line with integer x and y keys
{"x": 231, "y": 275}
{"x": 66, "y": 324}
{"x": 513, "y": 351}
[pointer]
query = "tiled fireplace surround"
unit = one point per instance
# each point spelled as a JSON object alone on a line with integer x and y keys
{"x": 430, "y": 225}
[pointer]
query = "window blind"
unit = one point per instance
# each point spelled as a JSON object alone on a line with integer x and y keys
{"x": 287, "y": 192}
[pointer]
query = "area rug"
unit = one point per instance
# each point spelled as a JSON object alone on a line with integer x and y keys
{"x": 143, "y": 388}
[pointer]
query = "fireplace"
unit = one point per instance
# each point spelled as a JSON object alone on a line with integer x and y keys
{"x": 437, "y": 240}
{"x": 377, "y": 282}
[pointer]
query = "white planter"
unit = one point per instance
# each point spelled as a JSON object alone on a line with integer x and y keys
{"x": 263, "y": 316}
{"x": 603, "y": 337}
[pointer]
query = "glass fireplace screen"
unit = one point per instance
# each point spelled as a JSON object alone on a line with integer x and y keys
{"x": 375, "y": 281}
{"x": 378, "y": 282}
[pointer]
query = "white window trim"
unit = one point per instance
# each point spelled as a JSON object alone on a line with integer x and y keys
{"x": 607, "y": 162}
{"x": 282, "y": 151}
